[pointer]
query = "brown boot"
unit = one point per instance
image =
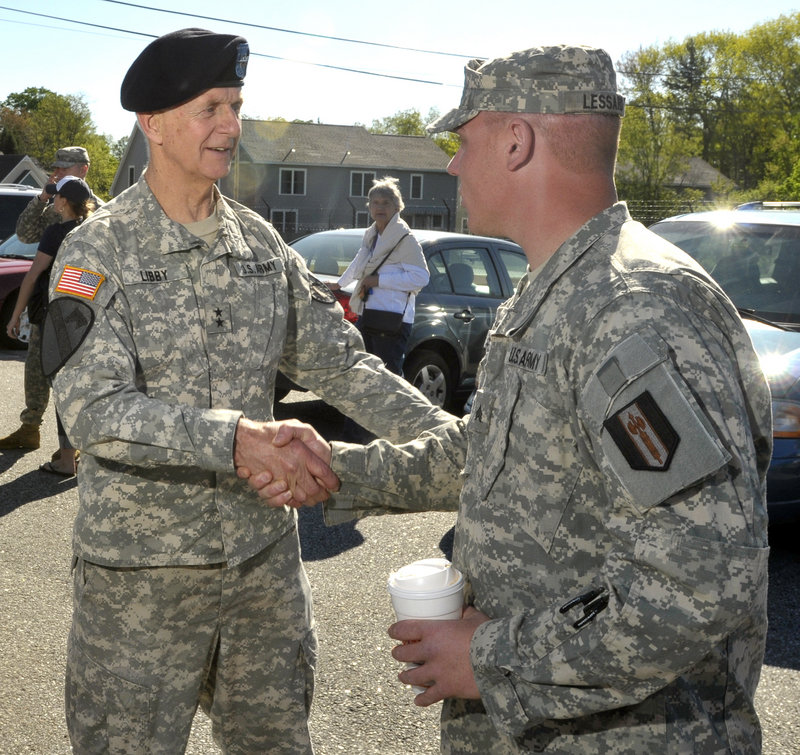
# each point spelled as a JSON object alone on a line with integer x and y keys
{"x": 27, "y": 436}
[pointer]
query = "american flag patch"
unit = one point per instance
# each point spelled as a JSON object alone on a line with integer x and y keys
{"x": 80, "y": 282}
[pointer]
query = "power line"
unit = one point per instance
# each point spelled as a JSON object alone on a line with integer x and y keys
{"x": 255, "y": 54}
{"x": 290, "y": 31}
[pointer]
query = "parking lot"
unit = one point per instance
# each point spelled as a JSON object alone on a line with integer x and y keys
{"x": 359, "y": 708}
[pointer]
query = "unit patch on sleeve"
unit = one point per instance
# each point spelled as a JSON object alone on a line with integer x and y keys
{"x": 643, "y": 434}
{"x": 79, "y": 282}
{"x": 320, "y": 292}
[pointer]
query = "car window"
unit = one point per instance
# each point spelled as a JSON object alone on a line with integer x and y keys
{"x": 757, "y": 265}
{"x": 516, "y": 265}
{"x": 328, "y": 254}
{"x": 463, "y": 270}
{"x": 10, "y": 209}
{"x": 13, "y": 247}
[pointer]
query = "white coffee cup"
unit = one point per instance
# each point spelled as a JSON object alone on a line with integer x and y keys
{"x": 431, "y": 589}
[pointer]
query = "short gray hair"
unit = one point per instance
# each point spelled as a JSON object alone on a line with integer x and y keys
{"x": 388, "y": 186}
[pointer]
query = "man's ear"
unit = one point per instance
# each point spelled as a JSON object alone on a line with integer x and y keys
{"x": 520, "y": 145}
{"x": 150, "y": 124}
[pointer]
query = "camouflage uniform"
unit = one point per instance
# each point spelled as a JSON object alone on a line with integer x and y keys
{"x": 172, "y": 341}
{"x": 612, "y": 521}
{"x": 32, "y": 221}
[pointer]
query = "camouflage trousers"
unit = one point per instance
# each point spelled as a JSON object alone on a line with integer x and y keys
{"x": 37, "y": 387}
{"x": 147, "y": 645}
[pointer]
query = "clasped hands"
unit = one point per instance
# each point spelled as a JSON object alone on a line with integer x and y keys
{"x": 286, "y": 463}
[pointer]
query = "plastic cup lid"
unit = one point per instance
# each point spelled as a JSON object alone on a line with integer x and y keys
{"x": 427, "y": 574}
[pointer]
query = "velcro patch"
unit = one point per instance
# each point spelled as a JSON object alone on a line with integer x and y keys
{"x": 251, "y": 269}
{"x": 643, "y": 434}
{"x": 320, "y": 292}
{"x": 64, "y": 329}
{"x": 79, "y": 282}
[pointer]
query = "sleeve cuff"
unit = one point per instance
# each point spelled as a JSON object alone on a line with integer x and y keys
{"x": 498, "y": 693}
{"x": 217, "y": 429}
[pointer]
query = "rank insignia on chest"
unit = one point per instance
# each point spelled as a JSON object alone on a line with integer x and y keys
{"x": 219, "y": 319}
{"x": 643, "y": 434}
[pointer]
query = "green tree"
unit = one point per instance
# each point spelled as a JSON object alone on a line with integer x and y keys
{"x": 734, "y": 99}
{"x": 37, "y": 122}
{"x": 411, "y": 123}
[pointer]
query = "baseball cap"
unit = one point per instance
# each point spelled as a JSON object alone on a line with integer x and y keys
{"x": 180, "y": 65}
{"x": 73, "y": 189}
{"x": 559, "y": 79}
{"x": 69, "y": 156}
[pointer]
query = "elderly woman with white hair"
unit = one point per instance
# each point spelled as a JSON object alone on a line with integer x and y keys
{"x": 390, "y": 269}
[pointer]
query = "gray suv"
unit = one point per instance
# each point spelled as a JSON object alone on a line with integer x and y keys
{"x": 470, "y": 277}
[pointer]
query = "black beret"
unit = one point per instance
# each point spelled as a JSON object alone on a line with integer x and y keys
{"x": 180, "y": 65}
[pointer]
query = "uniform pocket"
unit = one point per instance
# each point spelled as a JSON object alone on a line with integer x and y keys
{"x": 105, "y": 714}
{"x": 165, "y": 318}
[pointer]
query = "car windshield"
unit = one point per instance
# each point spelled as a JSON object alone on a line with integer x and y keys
{"x": 328, "y": 254}
{"x": 13, "y": 247}
{"x": 756, "y": 264}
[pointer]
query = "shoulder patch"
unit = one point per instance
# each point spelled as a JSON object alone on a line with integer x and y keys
{"x": 320, "y": 292}
{"x": 79, "y": 282}
{"x": 66, "y": 325}
{"x": 643, "y": 434}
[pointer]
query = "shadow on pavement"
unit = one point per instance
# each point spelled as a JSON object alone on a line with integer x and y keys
{"x": 29, "y": 487}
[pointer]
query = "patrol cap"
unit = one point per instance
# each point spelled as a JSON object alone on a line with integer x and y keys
{"x": 556, "y": 79}
{"x": 73, "y": 189}
{"x": 66, "y": 157}
{"x": 180, "y": 65}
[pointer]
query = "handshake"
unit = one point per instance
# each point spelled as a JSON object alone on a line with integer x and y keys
{"x": 286, "y": 463}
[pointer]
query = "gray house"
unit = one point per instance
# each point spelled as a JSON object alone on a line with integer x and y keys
{"x": 22, "y": 169}
{"x": 306, "y": 177}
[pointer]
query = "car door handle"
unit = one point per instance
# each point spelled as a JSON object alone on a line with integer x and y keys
{"x": 465, "y": 315}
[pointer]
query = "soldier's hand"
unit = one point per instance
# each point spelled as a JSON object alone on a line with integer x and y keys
{"x": 287, "y": 463}
{"x": 441, "y": 651}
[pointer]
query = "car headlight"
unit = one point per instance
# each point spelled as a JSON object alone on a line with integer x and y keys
{"x": 785, "y": 419}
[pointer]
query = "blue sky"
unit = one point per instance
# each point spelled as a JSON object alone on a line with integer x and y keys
{"x": 72, "y": 57}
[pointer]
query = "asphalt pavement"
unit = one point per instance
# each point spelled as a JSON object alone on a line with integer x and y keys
{"x": 359, "y": 708}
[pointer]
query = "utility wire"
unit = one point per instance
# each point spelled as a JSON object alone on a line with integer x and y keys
{"x": 290, "y": 31}
{"x": 255, "y": 54}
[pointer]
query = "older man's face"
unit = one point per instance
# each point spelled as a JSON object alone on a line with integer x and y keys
{"x": 200, "y": 137}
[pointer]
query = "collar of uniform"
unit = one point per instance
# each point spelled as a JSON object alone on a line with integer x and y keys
{"x": 231, "y": 229}
{"x": 525, "y": 306}
{"x": 168, "y": 236}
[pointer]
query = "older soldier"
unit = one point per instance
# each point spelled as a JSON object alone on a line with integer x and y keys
{"x": 39, "y": 213}
{"x": 612, "y": 523}
{"x": 171, "y": 310}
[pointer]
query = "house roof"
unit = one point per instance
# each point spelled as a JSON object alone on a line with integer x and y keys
{"x": 272, "y": 142}
{"x": 696, "y": 174}
{"x": 16, "y": 168}
{"x": 699, "y": 174}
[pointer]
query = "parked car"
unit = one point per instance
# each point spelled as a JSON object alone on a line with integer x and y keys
{"x": 753, "y": 252}
{"x": 15, "y": 261}
{"x": 470, "y": 277}
{"x": 13, "y": 199}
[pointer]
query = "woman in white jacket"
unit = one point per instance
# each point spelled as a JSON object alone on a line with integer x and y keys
{"x": 390, "y": 269}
